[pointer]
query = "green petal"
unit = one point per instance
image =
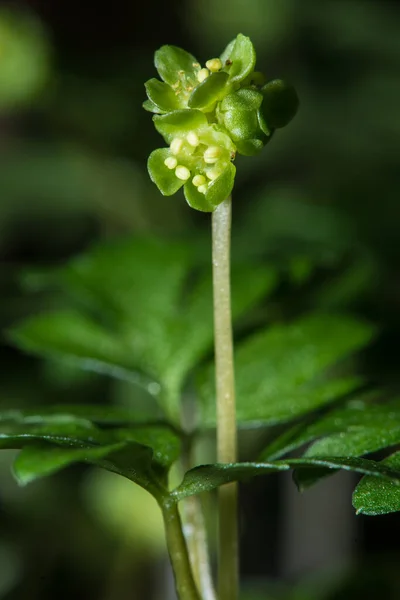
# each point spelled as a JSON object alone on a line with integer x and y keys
{"x": 221, "y": 188}
{"x": 243, "y": 58}
{"x": 170, "y": 61}
{"x": 164, "y": 178}
{"x": 195, "y": 199}
{"x": 151, "y": 107}
{"x": 243, "y": 99}
{"x": 162, "y": 95}
{"x": 228, "y": 51}
{"x": 179, "y": 123}
{"x": 209, "y": 91}
{"x": 251, "y": 147}
{"x": 280, "y": 103}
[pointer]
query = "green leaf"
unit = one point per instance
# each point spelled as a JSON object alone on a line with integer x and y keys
{"x": 208, "y": 477}
{"x": 162, "y": 95}
{"x": 164, "y": 178}
{"x": 358, "y": 465}
{"x": 171, "y": 61}
{"x": 78, "y": 339}
{"x": 373, "y": 496}
{"x": 280, "y": 103}
{"x": 130, "y": 460}
{"x": 21, "y": 428}
{"x": 98, "y": 415}
{"x": 358, "y": 428}
{"x": 179, "y": 123}
{"x": 209, "y": 91}
{"x": 50, "y": 442}
{"x": 281, "y": 372}
{"x": 242, "y": 56}
{"x": 151, "y": 107}
{"x": 150, "y": 307}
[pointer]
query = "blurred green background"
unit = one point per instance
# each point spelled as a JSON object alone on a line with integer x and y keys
{"x": 321, "y": 202}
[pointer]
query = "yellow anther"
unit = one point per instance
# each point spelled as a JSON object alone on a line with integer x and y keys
{"x": 196, "y": 65}
{"x": 176, "y": 145}
{"x": 199, "y": 180}
{"x": 193, "y": 139}
{"x": 203, "y": 74}
{"x": 212, "y": 154}
{"x": 214, "y": 65}
{"x": 170, "y": 162}
{"x": 182, "y": 173}
{"x": 203, "y": 189}
{"x": 213, "y": 173}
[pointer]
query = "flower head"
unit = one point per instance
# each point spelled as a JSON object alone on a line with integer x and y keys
{"x": 206, "y": 114}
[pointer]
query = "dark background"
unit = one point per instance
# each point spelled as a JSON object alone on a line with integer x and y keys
{"x": 322, "y": 200}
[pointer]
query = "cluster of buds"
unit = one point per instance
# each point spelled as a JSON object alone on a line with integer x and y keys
{"x": 208, "y": 114}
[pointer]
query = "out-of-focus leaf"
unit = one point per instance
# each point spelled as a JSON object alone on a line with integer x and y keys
{"x": 150, "y": 315}
{"x": 24, "y": 60}
{"x": 281, "y": 372}
{"x": 373, "y": 496}
{"x": 50, "y": 442}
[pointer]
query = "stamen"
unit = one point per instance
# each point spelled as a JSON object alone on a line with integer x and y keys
{"x": 199, "y": 180}
{"x": 182, "y": 173}
{"x": 214, "y": 65}
{"x": 170, "y": 162}
{"x": 176, "y": 145}
{"x": 203, "y": 74}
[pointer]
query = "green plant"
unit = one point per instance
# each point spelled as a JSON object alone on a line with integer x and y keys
{"x": 141, "y": 310}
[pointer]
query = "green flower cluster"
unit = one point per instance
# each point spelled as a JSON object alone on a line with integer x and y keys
{"x": 208, "y": 114}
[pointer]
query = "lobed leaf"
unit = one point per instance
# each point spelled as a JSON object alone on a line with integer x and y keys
{"x": 208, "y": 477}
{"x": 358, "y": 428}
{"x": 373, "y": 496}
{"x": 150, "y": 315}
{"x": 281, "y": 371}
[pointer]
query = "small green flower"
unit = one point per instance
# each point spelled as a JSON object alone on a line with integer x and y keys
{"x": 206, "y": 114}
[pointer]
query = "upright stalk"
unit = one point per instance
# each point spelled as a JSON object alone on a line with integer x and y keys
{"x": 228, "y": 566}
{"x": 178, "y": 553}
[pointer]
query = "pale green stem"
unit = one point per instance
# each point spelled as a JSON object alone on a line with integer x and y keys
{"x": 195, "y": 534}
{"x": 178, "y": 553}
{"x": 228, "y": 567}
